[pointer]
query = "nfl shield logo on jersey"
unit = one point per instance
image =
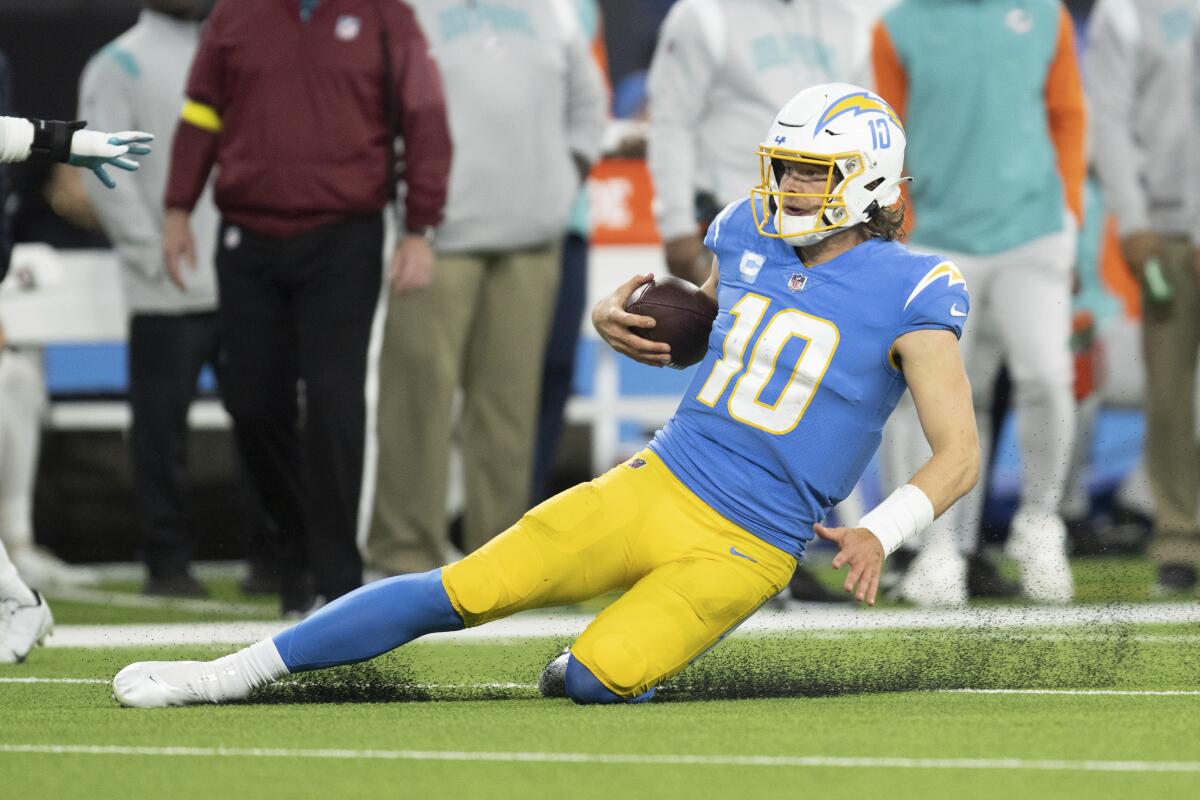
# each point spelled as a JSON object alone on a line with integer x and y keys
{"x": 797, "y": 282}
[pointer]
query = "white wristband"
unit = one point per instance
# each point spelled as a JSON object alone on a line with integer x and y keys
{"x": 16, "y": 139}
{"x": 905, "y": 512}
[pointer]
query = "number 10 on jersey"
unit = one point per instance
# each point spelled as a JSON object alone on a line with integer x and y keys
{"x": 745, "y": 401}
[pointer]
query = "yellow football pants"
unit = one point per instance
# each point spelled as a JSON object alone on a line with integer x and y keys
{"x": 690, "y": 574}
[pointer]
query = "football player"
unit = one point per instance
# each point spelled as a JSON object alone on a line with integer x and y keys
{"x": 824, "y": 322}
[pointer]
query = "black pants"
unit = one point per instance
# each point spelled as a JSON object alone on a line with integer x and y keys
{"x": 295, "y": 313}
{"x": 166, "y": 354}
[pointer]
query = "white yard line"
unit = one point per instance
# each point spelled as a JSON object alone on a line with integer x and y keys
{"x": 527, "y": 687}
{"x": 204, "y": 570}
{"x": 55, "y": 680}
{"x": 524, "y": 687}
{"x": 141, "y": 601}
{"x": 1005, "y": 622}
{"x": 163, "y": 634}
{"x": 720, "y": 760}
{"x": 1081, "y": 692}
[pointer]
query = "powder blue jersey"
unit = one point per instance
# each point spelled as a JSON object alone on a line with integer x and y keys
{"x": 786, "y": 409}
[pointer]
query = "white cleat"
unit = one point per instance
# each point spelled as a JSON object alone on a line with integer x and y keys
{"x": 22, "y": 627}
{"x": 157, "y": 684}
{"x": 937, "y": 578}
{"x": 553, "y": 680}
{"x": 1038, "y": 543}
{"x": 43, "y": 569}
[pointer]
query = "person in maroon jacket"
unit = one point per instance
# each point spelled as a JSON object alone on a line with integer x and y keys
{"x": 295, "y": 102}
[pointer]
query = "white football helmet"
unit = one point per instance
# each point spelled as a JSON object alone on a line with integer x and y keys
{"x": 856, "y": 136}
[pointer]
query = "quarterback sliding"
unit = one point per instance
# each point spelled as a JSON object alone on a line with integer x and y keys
{"x": 824, "y": 321}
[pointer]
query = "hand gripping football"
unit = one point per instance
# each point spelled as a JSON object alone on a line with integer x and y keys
{"x": 683, "y": 315}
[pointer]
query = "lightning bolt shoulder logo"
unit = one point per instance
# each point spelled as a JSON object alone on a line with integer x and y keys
{"x": 943, "y": 270}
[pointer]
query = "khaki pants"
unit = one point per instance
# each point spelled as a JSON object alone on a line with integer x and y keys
{"x": 1170, "y": 339}
{"x": 482, "y": 326}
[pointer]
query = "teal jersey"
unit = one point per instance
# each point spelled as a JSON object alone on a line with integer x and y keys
{"x": 977, "y": 123}
{"x": 788, "y": 406}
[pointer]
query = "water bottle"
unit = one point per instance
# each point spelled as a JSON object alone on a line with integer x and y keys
{"x": 1158, "y": 288}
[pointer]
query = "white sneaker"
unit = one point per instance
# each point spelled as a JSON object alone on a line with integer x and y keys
{"x": 553, "y": 680}
{"x": 41, "y": 568}
{"x": 937, "y": 577}
{"x": 21, "y": 627}
{"x": 1038, "y": 543}
{"x": 156, "y": 684}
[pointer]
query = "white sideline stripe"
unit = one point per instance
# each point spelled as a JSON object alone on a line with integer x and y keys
{"x": 130, "y": 600}
{"x": 615, "y": 758}
{"x": 1082, "y": 692}
{"x": 531, "y": 686}
{"x": 106, "y": 681}
{"x": 203, "y": 570}
{"x": 54, "y": 680}
{"x": 163, "y": 635}
{"x": 800, "y": 618}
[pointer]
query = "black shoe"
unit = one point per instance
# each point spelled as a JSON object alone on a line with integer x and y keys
{"x": 1174, "y": 579}
{"x": 263, "y": 578}
{"x": 1120, "y": 533}
{"x": 1083, "y": 538}
{"x": 807, "y": 589}
{"x": 985, "y": 580}
{"x": 179, "y": 585}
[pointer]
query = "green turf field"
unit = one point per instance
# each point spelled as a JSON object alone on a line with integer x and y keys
{"x": 840, "y": 715}
{"x": 828, "y": 713}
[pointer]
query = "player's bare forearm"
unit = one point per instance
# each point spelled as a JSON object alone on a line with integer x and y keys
{"x": 934, "y": 371}
{"x": 946, "y": 477}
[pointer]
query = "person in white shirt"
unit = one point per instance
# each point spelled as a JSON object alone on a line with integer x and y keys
{"x": 1139, "y": 74}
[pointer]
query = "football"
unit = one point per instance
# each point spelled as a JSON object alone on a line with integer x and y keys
{"x": 683, "y": 315}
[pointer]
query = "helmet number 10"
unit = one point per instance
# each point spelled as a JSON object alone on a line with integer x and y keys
{"x": 881, "y": 134}
{"x": 745, "y": 404}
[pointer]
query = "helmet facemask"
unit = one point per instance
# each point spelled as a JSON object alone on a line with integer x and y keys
{"x": 830, "y": 216}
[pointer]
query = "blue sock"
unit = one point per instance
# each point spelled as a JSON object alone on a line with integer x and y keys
{"x": 584, "y": 688}
{"x": 369, "y": 621}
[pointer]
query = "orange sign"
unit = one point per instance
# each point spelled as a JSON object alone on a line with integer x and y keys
{"x": 620, "y": 200}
